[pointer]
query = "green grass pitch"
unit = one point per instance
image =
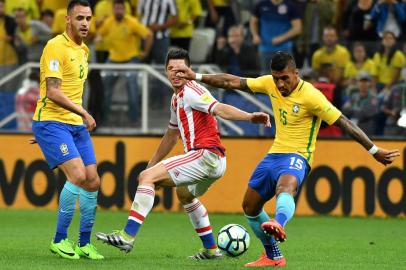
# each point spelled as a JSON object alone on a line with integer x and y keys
{"x": 166, "y": 239}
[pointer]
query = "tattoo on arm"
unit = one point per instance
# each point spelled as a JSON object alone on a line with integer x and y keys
{"x": 53, "y": 82}
{"x": 244, "y": 86}
{"x": 226, "y": 81}
{"x": 354, "y": 131}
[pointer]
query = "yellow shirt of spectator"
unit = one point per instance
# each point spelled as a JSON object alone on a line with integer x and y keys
{"x": 387, "y": 71}
{"x": 103, "y": 10}
{"x": 220, "y": 3}
{"x": 187, "y": 10}
{"x": 123, "y": 38}
{"x": 297, "y": 116}
{"x": 8, "y": 55}
{"x": 64, "y": 59}
{"x": 351, "y": 70}
{"x": 339, "y": 57}
{"x": 30, "y": 6}
{"x": 54, "y": 5}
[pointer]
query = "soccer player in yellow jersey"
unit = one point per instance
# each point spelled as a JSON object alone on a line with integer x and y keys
{"x": 61, "y": 127}
{"x": 299, "y": 109}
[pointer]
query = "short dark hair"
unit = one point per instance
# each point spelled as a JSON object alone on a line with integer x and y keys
{"x": 47, "y": 12}
{"x": 280, "y": 60}
{"x": 177, "y": 53}
{"x": 74, "y": 3}
{"x": 121, "y": 2}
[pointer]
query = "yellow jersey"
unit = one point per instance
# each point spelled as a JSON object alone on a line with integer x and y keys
{"x": 339, "y": 57}
{"x": 187, "y": 10}
{"x": 123, "y": 38}
{"x": 297, "y": 116}
{"x": 8, "y": 55}
{"x": 30, "y": 6}
{"x": 387, "y": 71}
{"x": 62, "y": 58}
{"x": 351, "y": 70}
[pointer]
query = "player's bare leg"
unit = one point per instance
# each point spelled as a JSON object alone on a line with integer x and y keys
{"x": 253, "y": 208}
{"x": 285, "y": 207}
{"x": 142, "y": 205}
{"x": 200, "y": 220}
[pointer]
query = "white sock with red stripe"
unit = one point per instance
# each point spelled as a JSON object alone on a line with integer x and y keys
{"x": 142, "y": 205}
{"x": 200, "y": 220}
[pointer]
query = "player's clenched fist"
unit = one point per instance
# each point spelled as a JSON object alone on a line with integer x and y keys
{"x": 260, "y": 118}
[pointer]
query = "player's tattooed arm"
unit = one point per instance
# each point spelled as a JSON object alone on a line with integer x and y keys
{"x": 53, "y": 82}
{"x": 226, "y": 81}
{"x": 354, "y": 131}
{"x": 55, "y": 94}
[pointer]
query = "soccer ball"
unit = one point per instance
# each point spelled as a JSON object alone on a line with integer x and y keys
{"x": 233, "y": 240}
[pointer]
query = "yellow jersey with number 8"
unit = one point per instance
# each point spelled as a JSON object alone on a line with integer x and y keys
{"x": 297, "y": 116}
{"x": 62, "y": 58}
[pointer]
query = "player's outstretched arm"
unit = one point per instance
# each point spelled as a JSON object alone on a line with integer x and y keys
{"x": 232, "y": 113}
{"x": 221, "y": 80}
{"x": 381, "y": 155}
{"x": 55, "y": 94}
{"x": 167, "y": 143}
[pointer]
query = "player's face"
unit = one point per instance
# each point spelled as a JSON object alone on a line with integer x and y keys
{"x": 173, "y": 64}
{"x": 286, "y": 80}
{"x": 119, "y": 11}
{"x": 79, "y": 20}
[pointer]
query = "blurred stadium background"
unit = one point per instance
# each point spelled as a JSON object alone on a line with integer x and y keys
{"x": 351, "y": 210}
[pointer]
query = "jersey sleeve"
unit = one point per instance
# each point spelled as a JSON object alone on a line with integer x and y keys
{"x": 199, "y": 98}
{"x": 260, "y": 84}
{"x": 53, "y": 61}
{"x": 138, "y": 28}
{"x": 173, "y": 121}
{"x": 321, "y": 107}
{"x": 398, "y": 60}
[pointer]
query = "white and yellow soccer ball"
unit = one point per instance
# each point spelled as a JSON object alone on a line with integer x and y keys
{"x": 233, "y": 240}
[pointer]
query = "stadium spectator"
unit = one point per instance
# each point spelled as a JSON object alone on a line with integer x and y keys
{"x": 31, "y": 37}
{"x": 300, "y": 108}
{"x": 389, "y": 16}
{"x": 237, "y": 57}
{"x": 158, "y": 16}
{"x": 58, "y": 27}
{"x": 222, "y": 15}
{"x": 359, "y": 63}
{"x": 53, "y": 5}
{"x": 192, "y": 119}
{"x": 393, "y": 106}
{"x": 30, "y": 6}
{"x": 47, "y": 17}
{"x": 181, "y": 33}
{"x": 26, "y": 101}
{"x": 123, "y": 34}
{"x": 317, "y": 15}
{"x": 8, "y": 56}
{"x": 103, "y": 10}
{"x": 389, "y": 61}
{"x": 325, "y": 83}
{"x": 362, "y": 105}
{"x": 331, "y": 53}
{"x": 273, "y": 25}
{"x": 357, "y": 24}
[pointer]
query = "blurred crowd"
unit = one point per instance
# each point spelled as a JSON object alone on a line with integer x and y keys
{"x": 351, "y": 50}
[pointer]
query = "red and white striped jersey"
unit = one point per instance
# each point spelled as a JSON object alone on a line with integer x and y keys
{"x": 192, "y": 113}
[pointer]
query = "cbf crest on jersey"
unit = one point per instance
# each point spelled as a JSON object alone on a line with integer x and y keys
{"x": 295, "y": 108}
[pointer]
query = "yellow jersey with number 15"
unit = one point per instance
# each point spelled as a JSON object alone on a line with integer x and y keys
{"x": 297, "y": 116}
{"x": 62, "y": 58}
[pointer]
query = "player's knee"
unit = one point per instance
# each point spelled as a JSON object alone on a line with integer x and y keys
{"x": 249, "y": 209}
{"x": 185, "y": 198}
{"x": 144, "y": 178}
{"x": 286, "y": 189}
{"x": 92, "y": 183}
{"x": 78, "y": 177}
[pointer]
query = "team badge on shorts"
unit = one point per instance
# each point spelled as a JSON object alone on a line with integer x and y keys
{"x": 64, "y": 149}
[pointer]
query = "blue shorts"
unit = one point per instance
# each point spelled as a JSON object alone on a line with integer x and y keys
{"x": 61, "y": 142}
{"x": 266, "y": 175}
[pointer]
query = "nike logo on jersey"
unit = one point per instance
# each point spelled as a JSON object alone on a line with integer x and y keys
{"x": 72, "y": 59}
{"x": 273, "y": 96}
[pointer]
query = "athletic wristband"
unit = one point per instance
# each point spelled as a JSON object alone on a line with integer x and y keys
{"x": 199, "y": 77}
{"x": 374, "y": 149}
